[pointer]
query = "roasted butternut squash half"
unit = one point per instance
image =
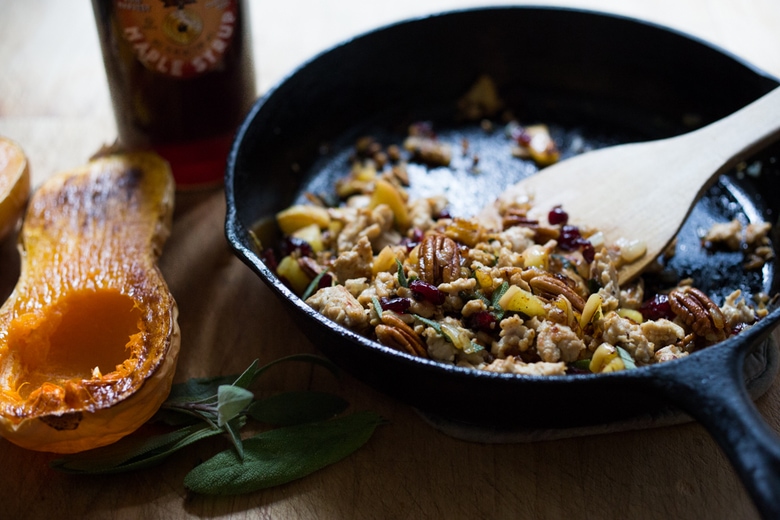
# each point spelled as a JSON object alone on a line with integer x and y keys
{"x": 89, "y": 337}
{"x": 14, "y": 185}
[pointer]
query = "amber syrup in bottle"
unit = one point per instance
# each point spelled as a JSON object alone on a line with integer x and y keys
{"x": 181, "y": 79}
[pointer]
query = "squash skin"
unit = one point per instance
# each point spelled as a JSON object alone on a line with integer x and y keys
{"x": 92, "y": 234}
{"x": 14, "y": 185}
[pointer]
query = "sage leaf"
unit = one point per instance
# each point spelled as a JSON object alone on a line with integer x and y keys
{"x": 499, "y": 293}
{"x": 481, "y": 296}
{"x": 232, "y": 429}
{"x": 582, "y": 364}
{"x": 132, "y": 452}
{"x": 435, "y": 325}
{"x": 377, "y": 306}
{"x": 184, "y": 413}
{"x": 174, "y": 417}
{"x": 292, "y": 408}
{"x": 402, "y": 280}
{"x": 313, "y": 285}
{"x": 628, "y": 361}
{"x": 177, "y": 410}
{"x": 250, "y": 375}
{"x": 231, "y": 400}
{"x": 498, "y": 311}
{"x": 473, "y": 348}
{"x": 282, "y": 455}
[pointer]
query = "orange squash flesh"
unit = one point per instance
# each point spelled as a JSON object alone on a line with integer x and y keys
{"x": 89, "y": 337}
{"x": 14, "y": 185}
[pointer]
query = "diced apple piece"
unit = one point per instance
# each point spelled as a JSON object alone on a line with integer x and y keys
{"x": 386, "y": 193}
{"x": 464, "y": 231}
{"x": 312, "y": 235}
{"x": 519, "y": 300}
{"x": 295, "y": 217}
{"x": 631, "y": 314}
{"x": 631, "y": 250}
{"x": 606, "y": 359}
{"x": 290, "y": 270}
{"x": 592, "y": 309}
{"x": 537, "y": 144}
{"x": 457, "y": 336}
{"x": 384, "y": 261}
{"x": 536, "y": 256}
{"x": 484, "y": 279}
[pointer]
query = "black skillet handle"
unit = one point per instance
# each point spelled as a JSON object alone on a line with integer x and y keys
{"x": 709, "y": 386}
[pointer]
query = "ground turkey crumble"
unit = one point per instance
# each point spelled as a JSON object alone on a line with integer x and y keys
{"x": 528, "y": 297}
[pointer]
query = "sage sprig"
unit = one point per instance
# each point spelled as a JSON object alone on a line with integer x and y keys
{"x": 278, "y": 456}
{"x": 309, "y": 436}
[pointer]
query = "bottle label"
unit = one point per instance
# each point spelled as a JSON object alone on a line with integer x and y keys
{"x": 178, "y": 38}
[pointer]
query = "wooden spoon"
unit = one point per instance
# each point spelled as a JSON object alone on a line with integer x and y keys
{"x": 646, "y": 190}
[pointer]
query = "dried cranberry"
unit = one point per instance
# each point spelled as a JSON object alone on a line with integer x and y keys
{"x": 326, "y": 280}
{"x": 574, "y": 369}
{"x": 588, "y": 252}
{"x": 656, "y": 308}
{"x": 411, "y": 242}
{"x": 570, "y": 238}
{"x": 292, "y": 244}
{"x": 557, "y": 216}
{"x": 269, "y": 258}
{"x": 399, "y": 305}
{"x": 445, "y": 213}
{"x": 425, "y": 291}
{"x": 522, "y": 137}
{"x": 739, "y": 327}
{"x": 482, "y": 320}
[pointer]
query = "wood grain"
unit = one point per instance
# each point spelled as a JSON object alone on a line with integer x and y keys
{"x": 53, "y": 100}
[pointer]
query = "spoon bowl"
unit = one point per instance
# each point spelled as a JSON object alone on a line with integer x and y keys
{"x": 645, "y": 191}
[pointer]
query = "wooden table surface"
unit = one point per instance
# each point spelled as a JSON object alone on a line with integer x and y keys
{"x": 54, "y": 102}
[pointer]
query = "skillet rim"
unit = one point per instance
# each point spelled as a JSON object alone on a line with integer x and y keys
{"x": 237, "y": 235}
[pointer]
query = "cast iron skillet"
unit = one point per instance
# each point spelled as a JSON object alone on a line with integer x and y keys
{"x": 596, "y": 79}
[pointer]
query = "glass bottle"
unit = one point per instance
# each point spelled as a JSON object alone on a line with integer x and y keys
{"x": 181, "y": 79}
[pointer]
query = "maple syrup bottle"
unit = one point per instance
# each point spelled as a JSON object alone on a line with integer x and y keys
{"x": 181, "y": 79}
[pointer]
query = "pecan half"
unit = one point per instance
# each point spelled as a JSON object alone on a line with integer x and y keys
{"x": 698, "y": 312}
{"x": 310, "y": 266}
{"x": 549, "y": 287}
{"x": 438, "y": 260}
{"x": 518, "y": 217}
{"x": 394, "y": 333}
{"x": 542, "y": 233}
{"x": 429, "y": 151}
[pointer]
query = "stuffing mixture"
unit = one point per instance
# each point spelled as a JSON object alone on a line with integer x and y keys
{"x": 525, "y": 297}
